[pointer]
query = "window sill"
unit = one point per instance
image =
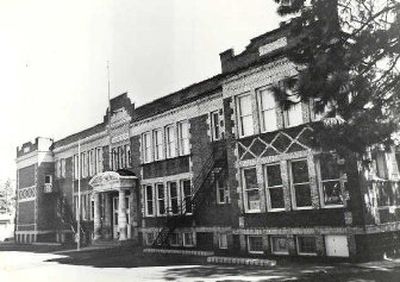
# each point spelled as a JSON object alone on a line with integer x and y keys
{"x": 303, "y": 208}
{"x": 280, "y": 253}
{"x": 306, "y": 254}
{"x": 256, "y": 252}
{"x": 332, "y": 206}
{"x": 252, "y": 211}
{"x": 277, "y": 210}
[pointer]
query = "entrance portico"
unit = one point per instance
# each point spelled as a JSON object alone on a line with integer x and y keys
{"x": 112, "y": 193}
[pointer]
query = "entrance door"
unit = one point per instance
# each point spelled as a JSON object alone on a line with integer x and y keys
{"x": 115, "y": 217}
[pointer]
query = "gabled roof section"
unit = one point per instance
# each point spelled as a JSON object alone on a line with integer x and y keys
{"x": 179, "y": 98}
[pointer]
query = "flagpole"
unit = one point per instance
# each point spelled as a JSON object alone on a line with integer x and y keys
{"x": 78, "y": 245}
{"x": 109, "y": 115}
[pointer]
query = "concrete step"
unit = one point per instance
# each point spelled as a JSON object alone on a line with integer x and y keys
{"x": 241, "y": 261}
{"x": 178, "y": 252}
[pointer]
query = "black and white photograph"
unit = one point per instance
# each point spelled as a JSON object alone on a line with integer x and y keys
{"x": 200, "y": 140}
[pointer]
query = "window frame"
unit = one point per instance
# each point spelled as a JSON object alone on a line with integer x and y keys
{"x": 177, "y": 237}
{"x": 164, "y": 199}
{"x": 268, "y": 188}
{"x": 225, "y": 192}
{"x": 183, "y": 196}
{"x": 157, "y": 144}
{"x": 261, "y": 110}
{"x": 249, "y": 245}
{"x": 148, "y": 243}
{"x": 146, "y": 147}
{"x": 170, "y": 210}
{"x": 240, "y": 116}
{"x": 170, "y": 146}
{"x": 245, "y": 191}
{"x": 215, "y": 126}
{"x": 271, "y": 241}
{"x": 293, "y": 188}
{"x": 298, "y": 245}
{"x": 185, "y": 244}
{"x": 286, "y": 115}
{"x": 183, "y": 142}
{"x": 146, "y": 200}
{"x": 223, "y": 246}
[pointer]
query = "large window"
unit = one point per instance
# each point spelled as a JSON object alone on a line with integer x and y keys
{"x": 273, "y": 181}
{"x": 255, "y": 244}
{"x": 173, "y": 197}
{"x": 330, "y": 181}
{"x": 215, "y": 128}
{"x": 279, "y": 245}
{"x": 158, "y": 145}
{"x": 183, "y": 138}
{"x": 251, "y": 191}
{"x": 170, "y": 141}
{"x": 300, "y": 184}
{"x": 245, "y": 115}
{"x": 146, "y": 147}
{"x": 149, "y": 198}
{"x": 268, "y": 111}
{"x": 294, "y": 115}
{"x": 186, "y": 196}
{"x": 160, "y": 199}
{"x": 306, "y": 245}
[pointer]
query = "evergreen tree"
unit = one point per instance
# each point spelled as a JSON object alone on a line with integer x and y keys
{"x": 7, "y": 197}
{"x": 348, "y": 53}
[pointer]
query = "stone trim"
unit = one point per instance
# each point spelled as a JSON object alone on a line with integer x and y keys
{"x": 241, "y": 261}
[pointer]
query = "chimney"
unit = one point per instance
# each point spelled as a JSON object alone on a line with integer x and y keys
{"x": 225, "y": 57}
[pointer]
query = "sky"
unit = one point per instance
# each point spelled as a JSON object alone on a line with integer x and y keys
{"x": 53, "y": 57}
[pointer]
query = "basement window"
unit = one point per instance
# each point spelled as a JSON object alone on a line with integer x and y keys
{"x": 188, "y": 239}
{"x": 279, "y": 245}
{"x": 223, "y": 241}
{"x": 306, "y": 245}
{"x": 255, "y": 244}
{"x": 174, "y": 239}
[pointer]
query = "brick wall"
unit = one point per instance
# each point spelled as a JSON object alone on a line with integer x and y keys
{"x": 46, "y": 203}
{"x": 26, "y": 176}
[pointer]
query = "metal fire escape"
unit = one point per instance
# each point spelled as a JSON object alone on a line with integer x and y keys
{"x": 213, "y": 169}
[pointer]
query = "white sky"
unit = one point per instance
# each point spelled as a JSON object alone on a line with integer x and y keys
{"x": 53, "y": 57}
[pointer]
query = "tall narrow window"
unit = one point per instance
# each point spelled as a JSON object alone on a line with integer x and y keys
{"x": 91, "y": 162}
{"x": 170, "y": 139}
{"x": 99, "y": 160}
{"x": 146, "y": 145}
{"x": 222, "y": 192}
{"x": 294, "y": 115}
{"x": 268, "y": 111}
{"x": 63, "y": 168}
{"x": 128, "y": 155}
{"x": 330, "y": 181}
{"x": 158, "y": 144}
{"x": 122, "y": 157}
{"x": 149, "y": 200}
{"x": 83, "y": 165}
{"x": 187, "y": 196}
{"x": 160, "y": 199}
{"x": 245, "y": 115}
{"x": 173, "y": 197}
{"x": 76, "y": 167}
{"x": 251, "y": 191}
{"x": 301, "y": 184}
{"x": 183, "y": 138}
{"x": 215, "y": 130}
{"x": 273, "y": 181}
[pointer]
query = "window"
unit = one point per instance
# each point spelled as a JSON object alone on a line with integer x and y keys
{"x": 128, "y": 155}
{"x": 84, "y": 165}
{"x": 245, "y": 115}
{"x": 251, "y": 191}
{"x": 173, "y": 197}
{"x": 170, "y": 139}
{"x": 279, "y": 245}
{"x": 91, "y": 209}
{"x": 146, "y": 145}
{"x": 158, "y": 145}
{"x": 57, "y": 168}
{"x": 76, "y": 167}
{"x": 300, "y": 184}
{"x": 268, "y": 111}
{"x": 160, "y": 199}
{"x": 294, "y": 115}
{"x": 330, "y": 181}
{"x": 222, "y": 192}
{"x": 187, "y": 196}
{"x": 121, "y": 156}
{"x": 188, "y": 240}
{"x": 183, "y": 138}
{"x": 115, "y": 158}
{"x": 174, "y": 239}
{"x": 149, "y": 238}
{"x": 91, "y": 162}
{"x": 380, "y": 164}
{"x": 222, "y": 241}
{"x": 215, "y": 130}
{"x": 48, "y": 179}
{"x": 306, "y": 245}
{"x": 273, "y": 181}
{"x": 255, "y": 244}
{"x": 99, "y": 160}
{"x": 149, "y": 200}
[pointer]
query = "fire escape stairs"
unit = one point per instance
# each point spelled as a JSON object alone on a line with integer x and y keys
{"x": 212, "y": 170}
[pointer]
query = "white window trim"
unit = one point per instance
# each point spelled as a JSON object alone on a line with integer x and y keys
{"x": 165, "y": 199}
{"x": 248, "y": 245}
{"x": 170, "y": 199}
{"x": 168, "y": 143}
{"x": 298, "y": 246}
{"x": 146, "y": 200}
{"x": 247, "y": 210}
{"x": 144, "y": 147}
{"x": 185, "y": 244}
{"x": 286, "y": 116}
{"x": 271, "y": 241}
{"x": 155, "y": 147}
{"x": 321, "y": 186}
{"x": 267, "y": 188}
{"x": 180, "y": 141}
{"x": 292, "y": 188}
{"x": 225, "y": 193}
{"x": 263, "y": 128}
{"x": 182, "y": 195}
{"x": 238, "y": 115}
{"x": 219, "y": 241}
